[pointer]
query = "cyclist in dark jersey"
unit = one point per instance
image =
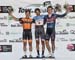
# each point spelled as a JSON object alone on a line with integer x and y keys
{"x": 27, "y": 34}
{"x": 50, "y": 19}
{"x": 39, "y": 31}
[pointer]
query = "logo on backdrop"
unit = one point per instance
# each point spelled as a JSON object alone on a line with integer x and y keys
{"x": 3, "y": 40}
{"x": 62, "y": 32}
{"x": 3, "y": 18}
{"x": 71, "y": 47}
{"x": 16, "y": 25}
{"x": 72, "y": 31}
{"x": 5, "y": 9}
{"x": 12, "y": 33}
{"x": 5, "y": 48}
{"x": 70, "y": 24}
{"x": 72, "y": 39}
{"x": 62, "y": 39}
{"x": 17, "y": 40}
{"x": 3, "y": 25}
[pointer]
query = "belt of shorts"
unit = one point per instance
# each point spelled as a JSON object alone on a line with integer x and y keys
{"x": 26, "y": 29}
{"x": 39, "y": 26}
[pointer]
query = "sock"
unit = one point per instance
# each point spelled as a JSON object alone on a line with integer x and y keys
{"x": 24, "y": 52}
{"x": 52, "y": 51}
{"x": 30, "y": 52}
{"x": 38, "y": 52}
{"x": 49, "y": 53}
{"x": 42, "y": 52}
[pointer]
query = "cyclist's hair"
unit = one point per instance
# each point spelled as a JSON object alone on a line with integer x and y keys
{"x": 27, "y": 10}
{"x": 49, "y": 7}
{"x": 37, "y": 9}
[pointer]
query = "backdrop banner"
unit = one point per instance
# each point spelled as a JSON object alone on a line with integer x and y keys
{"x": 11, "y": 45}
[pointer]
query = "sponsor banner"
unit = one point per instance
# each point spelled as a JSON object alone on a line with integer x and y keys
{"x": 5, "y": 9}
{"x": 71, "y": 47}
{"x": 5, "y": 48}
{"x": 11, "y": 31}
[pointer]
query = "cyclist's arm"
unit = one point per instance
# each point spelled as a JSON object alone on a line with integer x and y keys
{"x": 16, "y": 19}
{"x": 62, "y": 15}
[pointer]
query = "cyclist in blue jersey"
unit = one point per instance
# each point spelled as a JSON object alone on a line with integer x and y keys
{"x": 50, "y": 19}
{"x": 39, "y": 31}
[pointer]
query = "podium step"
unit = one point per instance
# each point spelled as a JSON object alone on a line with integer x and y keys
{"x": 46, "y": 58}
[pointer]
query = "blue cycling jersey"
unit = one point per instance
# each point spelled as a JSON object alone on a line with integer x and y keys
{"x": 52, "y": 19}
{"x": 38, "y": 20}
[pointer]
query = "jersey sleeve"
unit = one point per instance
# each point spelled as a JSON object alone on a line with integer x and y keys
{"x": 20, "y": 20}
{"x": 45, "y": 19}
{"x": 33, "y": 20}
{"x": 60, "y": 16}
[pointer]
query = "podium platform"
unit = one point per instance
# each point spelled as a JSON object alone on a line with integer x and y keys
{"x": 46, "y": 58}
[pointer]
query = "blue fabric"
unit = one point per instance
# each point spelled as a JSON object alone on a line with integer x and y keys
{"x": 52, "y": 19}
{"x": 37, "y": 18}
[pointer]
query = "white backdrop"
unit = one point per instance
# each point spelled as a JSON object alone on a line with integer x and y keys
{"x": 15, "y": 33}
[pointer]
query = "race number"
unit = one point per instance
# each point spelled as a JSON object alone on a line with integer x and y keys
{"x": 39, "y": 22}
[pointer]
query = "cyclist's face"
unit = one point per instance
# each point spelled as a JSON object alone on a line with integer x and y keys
{"x": 27, "y": 14}
{"x": 37, "y": 12}
{"x": 49, "y": 10}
